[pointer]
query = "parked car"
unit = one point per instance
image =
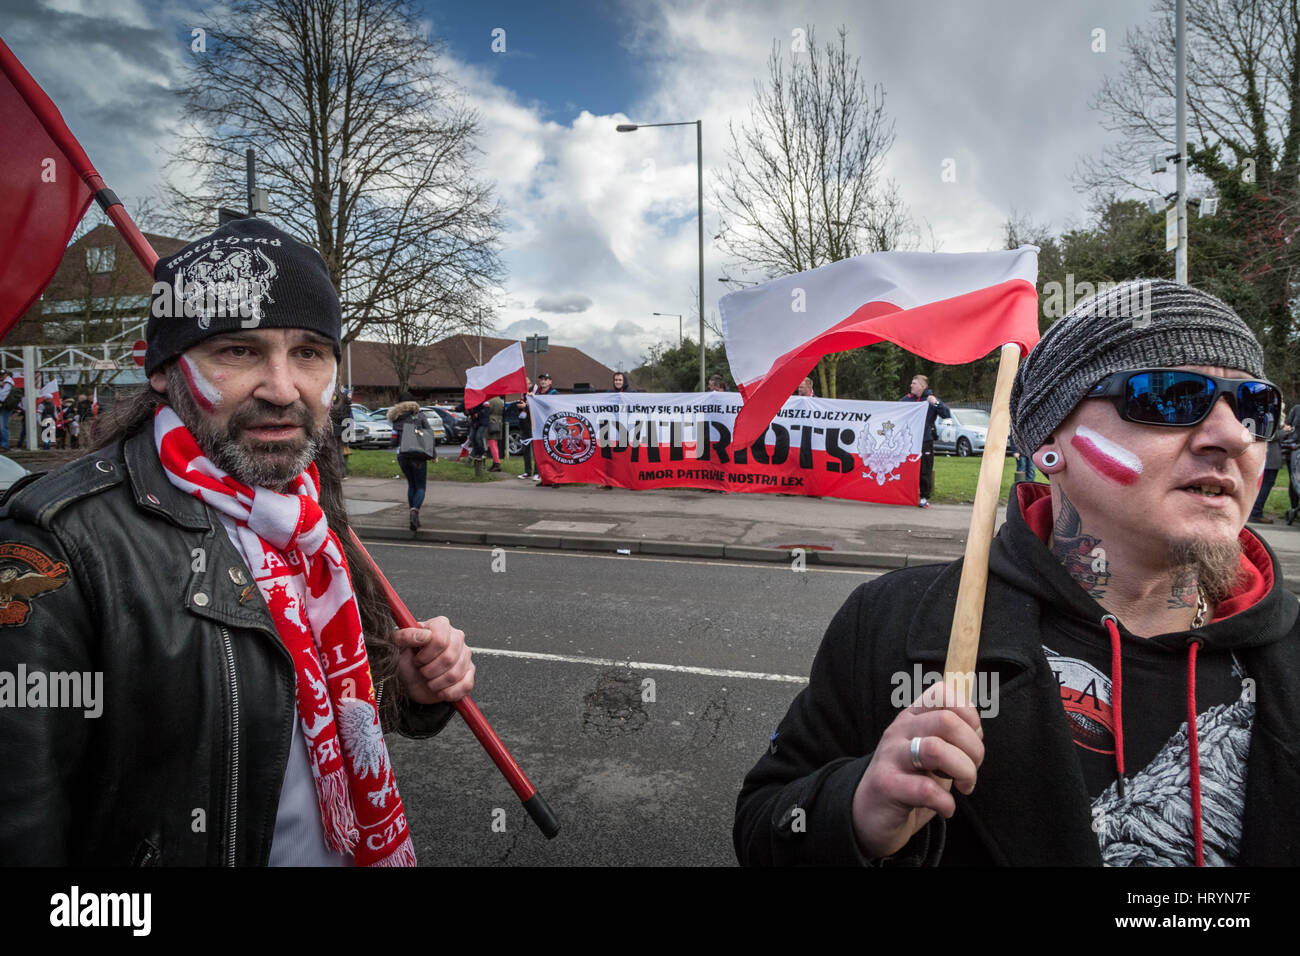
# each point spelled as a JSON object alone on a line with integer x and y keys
{"x": 454, "y": 426}
{"x": 964, "y": 433}
{"x": 10, "y": 471}
{"x": 516, "y": 430}
{"x": 370, "y": 430}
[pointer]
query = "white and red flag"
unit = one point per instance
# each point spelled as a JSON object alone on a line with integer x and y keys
{"x": 94, "y": 403}
{"x": 51, "y": 391}
{"x": 950, "y": 308}
{"x": 503, "y": 374}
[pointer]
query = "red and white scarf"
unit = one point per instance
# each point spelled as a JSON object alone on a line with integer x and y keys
{"x": 299, "y": 567}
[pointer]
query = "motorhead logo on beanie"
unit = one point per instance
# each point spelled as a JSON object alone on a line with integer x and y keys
{"x": 1142, "y": 323}
{"x": 246, "y": 275}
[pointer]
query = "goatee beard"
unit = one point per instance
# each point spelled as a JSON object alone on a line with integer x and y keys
{"x": 1215, "y": 564}
{"x": 274, "y": 464}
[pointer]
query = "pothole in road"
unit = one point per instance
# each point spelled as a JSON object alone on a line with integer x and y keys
{"x": 615, "y": 707}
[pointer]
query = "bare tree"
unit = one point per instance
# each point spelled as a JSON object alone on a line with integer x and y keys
{"x": 365, "y": 146}
{"x": 421, "y": 317}
{"x": 1243, "y": 103}
{"x": 803, "y": 185}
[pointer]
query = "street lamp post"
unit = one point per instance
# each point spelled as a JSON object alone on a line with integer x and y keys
{"x": 670, "y": 315}
{"x": 699, "y": 183}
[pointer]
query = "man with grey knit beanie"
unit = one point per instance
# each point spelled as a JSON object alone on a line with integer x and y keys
{"x": 1135, "y": 635}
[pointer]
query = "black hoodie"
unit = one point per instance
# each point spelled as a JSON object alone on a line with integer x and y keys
{"x": 1043, "y": 797}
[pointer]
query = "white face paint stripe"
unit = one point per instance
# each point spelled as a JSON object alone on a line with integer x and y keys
{"x": 1109, "y": 448}
{"x": 207, "y": 389}
{"x": 327, "y": 396}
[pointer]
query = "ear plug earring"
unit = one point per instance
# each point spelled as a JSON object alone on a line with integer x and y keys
{"x": 1050, "y": 459}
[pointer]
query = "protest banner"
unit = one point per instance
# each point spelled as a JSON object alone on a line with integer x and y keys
{"x": 864, "y": 451}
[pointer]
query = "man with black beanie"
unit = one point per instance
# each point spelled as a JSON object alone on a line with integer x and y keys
{"x": 194, "y": 578}
{"x": 1133, "y": 702}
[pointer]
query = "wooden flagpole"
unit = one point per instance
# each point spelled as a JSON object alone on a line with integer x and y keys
{"x": 964, "y": 640}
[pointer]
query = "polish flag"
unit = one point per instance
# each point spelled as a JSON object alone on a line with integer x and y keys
{"x": 949, "y": 308}
{"x": 502, "y": 375}
{"x": 51, "y": 391}
{"x": 94, "y": 403}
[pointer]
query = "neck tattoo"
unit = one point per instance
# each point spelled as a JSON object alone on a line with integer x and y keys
{"x": 1082, "y": 555}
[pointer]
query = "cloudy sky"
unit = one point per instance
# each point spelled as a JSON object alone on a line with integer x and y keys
{"x": 601, "y": 226}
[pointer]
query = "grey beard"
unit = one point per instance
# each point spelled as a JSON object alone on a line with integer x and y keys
{"x": 266, "y": 468}
{"x": 1215, "y": 564}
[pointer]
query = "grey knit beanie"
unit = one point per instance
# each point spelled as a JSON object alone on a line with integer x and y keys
{"x": 1141, "y": 323}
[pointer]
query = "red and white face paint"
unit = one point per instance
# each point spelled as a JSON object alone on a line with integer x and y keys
{"x": 205, "y": 393}
{"x": 1112, "y": 459}
{"x": 327, "y": 396}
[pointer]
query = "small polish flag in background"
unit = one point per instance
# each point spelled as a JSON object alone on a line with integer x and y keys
{"x": 503, "y": 374}
{"x": 950, "y": 308}
{"x": 94, "y": 402}
{"x": 51, "y": 391}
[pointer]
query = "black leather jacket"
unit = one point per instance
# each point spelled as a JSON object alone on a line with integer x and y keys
{"x": 106, "y": 567}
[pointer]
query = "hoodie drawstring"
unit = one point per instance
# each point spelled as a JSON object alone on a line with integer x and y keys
{"x": 1194, "y": 748}
{"x": 1115, "y": 699}
{"x": 1193, "y": 753}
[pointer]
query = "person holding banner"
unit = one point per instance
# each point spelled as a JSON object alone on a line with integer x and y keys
{"x": 919, "y": 391}
{"x": 1133, "y": 700}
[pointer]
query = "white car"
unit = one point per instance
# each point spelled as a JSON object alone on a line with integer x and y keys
{"x": 370, "y": 430}
{"x": 964, "y": 433}
{"x": 10, "y": 471}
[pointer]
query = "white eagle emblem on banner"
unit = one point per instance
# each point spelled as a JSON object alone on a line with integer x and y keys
{"x": 883, "y": 450}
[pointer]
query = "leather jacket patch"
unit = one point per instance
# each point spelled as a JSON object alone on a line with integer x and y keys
{"x": 27, "y": 573}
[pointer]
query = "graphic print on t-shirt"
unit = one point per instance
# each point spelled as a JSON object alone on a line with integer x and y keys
{"x": 1151, "y": 825}
{"x": 1085, "y": 695}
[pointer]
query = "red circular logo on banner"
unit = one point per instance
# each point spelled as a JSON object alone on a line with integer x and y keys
{"x": 569, "y": 439}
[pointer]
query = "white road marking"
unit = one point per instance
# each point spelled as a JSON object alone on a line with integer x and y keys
{"x": 668, "y": 559}
{"x": 639, "y": 665}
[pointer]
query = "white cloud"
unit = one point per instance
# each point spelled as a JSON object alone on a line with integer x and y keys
{"x": 572, "y": 302}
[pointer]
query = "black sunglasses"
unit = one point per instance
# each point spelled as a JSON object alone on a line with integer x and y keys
{"x": 1179, "y": 398}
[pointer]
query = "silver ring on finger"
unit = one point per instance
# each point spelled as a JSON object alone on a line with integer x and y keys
{"x": 915, "y": 751}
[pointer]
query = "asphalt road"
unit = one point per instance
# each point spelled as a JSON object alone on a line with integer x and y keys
{"x": 633, "y": 780}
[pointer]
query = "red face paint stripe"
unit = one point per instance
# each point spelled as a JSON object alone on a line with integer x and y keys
{"x": 199, "y": 397}
{"x": 1108, "y": 466}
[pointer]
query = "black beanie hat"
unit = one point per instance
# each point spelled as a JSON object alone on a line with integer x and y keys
{"x": 246, "y": 275}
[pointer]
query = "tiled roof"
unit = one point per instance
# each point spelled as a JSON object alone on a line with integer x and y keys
{"x": 447, "y": 361}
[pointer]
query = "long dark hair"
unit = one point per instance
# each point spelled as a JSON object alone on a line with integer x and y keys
{"x": 128, "y": 416}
